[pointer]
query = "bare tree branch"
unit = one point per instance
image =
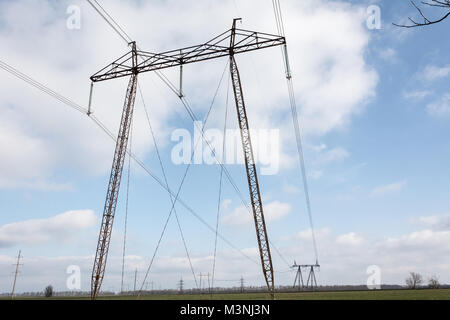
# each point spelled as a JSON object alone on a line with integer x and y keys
{"x": 426, "y": 21}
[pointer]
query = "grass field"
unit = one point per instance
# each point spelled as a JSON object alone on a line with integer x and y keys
{"x": 429, "y": 294}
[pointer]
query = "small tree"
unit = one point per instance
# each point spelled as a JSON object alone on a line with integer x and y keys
{"x": 48, "y": 291}
{"x": 414, "y": 280}
{"x": 433, "y": 282}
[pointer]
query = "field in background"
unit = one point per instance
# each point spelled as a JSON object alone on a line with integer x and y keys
{"x": 428, "y": 294}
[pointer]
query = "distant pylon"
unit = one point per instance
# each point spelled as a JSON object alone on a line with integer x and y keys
{"x": 15, "y": 275}
{"x": 311, "y": 282}
{"x": 299, "y": 278}
{"x": 209, "y": 282}
{"x": 181, "y": 285}
{"x": 135, "y": 277}
{"x": 242, "y": 284}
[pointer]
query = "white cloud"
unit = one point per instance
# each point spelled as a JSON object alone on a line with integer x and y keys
{"x": 239, "y": 216}
{"x": 388, "y": 54}
{"x": 26, "y": 159}
{"x": 319, "y": 234}
{"x": 226, "y": 203}
{"x": 273, "y": 211}
{"x": 432, "y": 73}
{"x": 325, "y": 156}
{"x": 38, "y": 271}
{"x": 291, "y": 189}
{"x": 437, "y": 222}
{"x": 335, "y": 154}
{"x": 440, "y": 107}
{"x": 319, "y": 148}
{"x": 327, "y": 101}
{"x": 417, "y": 95}
{"x": 315, "y": 174}
{"x": 388, "y": 189}
{"x": 39, "y": 231}
{"x": 419, "y": 240}
{"x": 351, "y": 239}
{"x": 344, "y": 259}
{"x": 332, "y": 79}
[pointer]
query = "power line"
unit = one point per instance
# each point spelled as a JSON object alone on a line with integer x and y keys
{"x": 191, "y": 113}
{"x": 135, "y": 279}
{"x": 185, "y": 175}
{"x": 114, "y": 21}
{"x": 126, "y": 206}
{"x": 182, "y": 98}
{"x": 113, "y": 25}
{"x": 92, "y": 117}
{"x": 120, "y": 31}
{"x": 167, "y": 184}
{"x": 41, "y": 87}
{"x": 220, "y": 182}
{"x": 188, "y": 108}
{"x": 279, "y": 253}
{"x": 295, "y": 119}
{"x": 194, "y": 118}
{"x": 81, "y": 109}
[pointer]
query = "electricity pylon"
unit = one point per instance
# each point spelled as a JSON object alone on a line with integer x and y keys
{"x": 311, "y": 282}
{"x": 227, "y": 44}
{"x": 15, "y": 275}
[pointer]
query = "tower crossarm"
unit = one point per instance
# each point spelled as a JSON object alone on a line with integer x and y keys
{"x": 245, "y": 41}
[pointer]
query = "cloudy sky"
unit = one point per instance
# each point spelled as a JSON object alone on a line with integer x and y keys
{"x": 374, "y": 109}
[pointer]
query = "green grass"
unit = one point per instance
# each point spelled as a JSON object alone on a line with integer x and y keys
{"x": 429, "y": 294}
{"x": 439, "y": 294}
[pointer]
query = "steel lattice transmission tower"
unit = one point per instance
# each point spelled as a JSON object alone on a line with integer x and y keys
{"x": 311, "y": 282}
{"x": 227, "y": 44}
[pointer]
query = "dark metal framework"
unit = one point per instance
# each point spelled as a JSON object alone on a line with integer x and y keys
{"x": 229, "y": 43}
{"x": 244, "y": 41}
{"x": 112, "y": 194}
{"x": 253, "y": 185}
{"x": 311, "y": 282}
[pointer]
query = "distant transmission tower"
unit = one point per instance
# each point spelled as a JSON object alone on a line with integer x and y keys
{"x": 15, "y": 274}
{"x": 135, "y": 277}
{"x": 311, "y": 282}
{"x": 242, "y": 284}
{"x": 200, "y": 276}
{"x": 209, "y": 282}
{"x": 181, "y": 285}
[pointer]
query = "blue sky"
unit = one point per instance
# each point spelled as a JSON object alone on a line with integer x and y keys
{"x": 375, "y": 114}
